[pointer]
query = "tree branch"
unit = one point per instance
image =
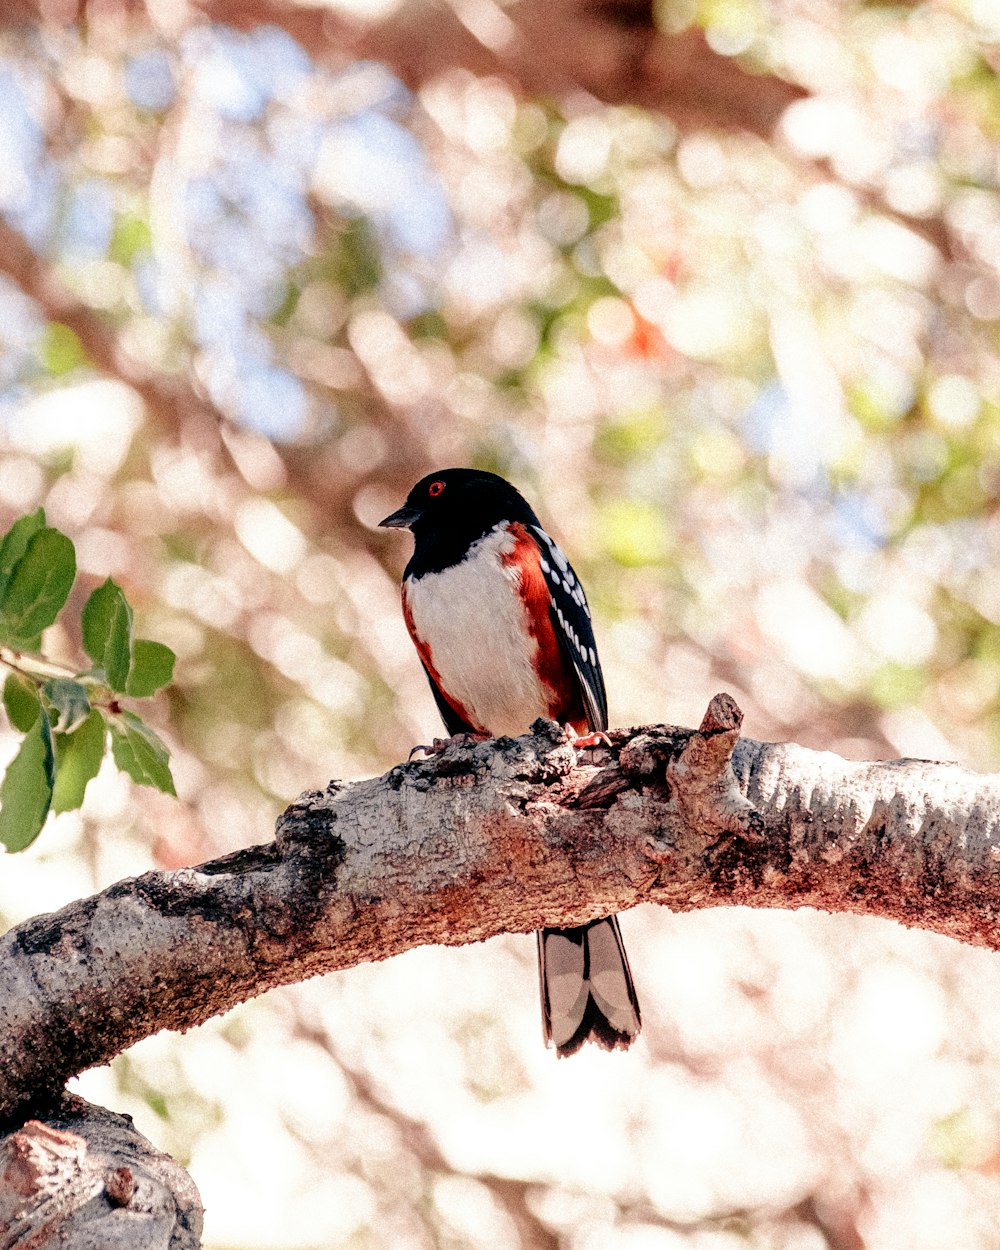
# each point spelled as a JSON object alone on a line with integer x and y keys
{"x": 169, "y": 403}
{"x": 67, "y": 1183}
{"x": 507, "y": 835}
{"x": 611, "y": 48}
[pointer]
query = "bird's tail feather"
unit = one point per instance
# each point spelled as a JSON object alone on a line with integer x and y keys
{"x": 587, "y": 990}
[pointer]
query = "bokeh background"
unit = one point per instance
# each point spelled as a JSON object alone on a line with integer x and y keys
{"x": 717, "y": 283}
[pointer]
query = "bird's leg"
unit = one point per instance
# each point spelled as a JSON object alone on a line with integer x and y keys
{"x": 442, "y": 744}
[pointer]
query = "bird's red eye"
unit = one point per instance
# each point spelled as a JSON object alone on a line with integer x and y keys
{"x": 435, "y": 489}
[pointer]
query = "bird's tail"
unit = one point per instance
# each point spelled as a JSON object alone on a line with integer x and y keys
{"x": 587, "y": 990}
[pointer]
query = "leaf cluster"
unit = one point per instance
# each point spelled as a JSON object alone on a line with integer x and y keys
{"x": 67, "y": 716}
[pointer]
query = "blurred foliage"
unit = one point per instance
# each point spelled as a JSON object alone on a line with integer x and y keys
{"x": 752, "y": 387}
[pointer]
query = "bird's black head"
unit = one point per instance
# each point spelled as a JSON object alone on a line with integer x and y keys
{"x": 449, "y": 510}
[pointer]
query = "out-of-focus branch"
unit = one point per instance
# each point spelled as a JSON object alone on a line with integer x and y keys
{"x": 510, "y": 1193}
{"x": 506, "y": 836}
{"x": 613, "y": 50}
{"x": 174, "y": 404}
{"x": 168, "y": 401}
{"x": 87, "y": 1178}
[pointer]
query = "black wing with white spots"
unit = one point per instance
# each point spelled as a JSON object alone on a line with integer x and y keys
{"x": 573, "y": 626}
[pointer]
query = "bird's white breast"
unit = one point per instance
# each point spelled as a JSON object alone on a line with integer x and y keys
{"x": 472, "y": 618}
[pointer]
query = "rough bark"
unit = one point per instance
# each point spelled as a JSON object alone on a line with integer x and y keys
{"x": 507, "y": 835}
{"x": 87, "y": 1179}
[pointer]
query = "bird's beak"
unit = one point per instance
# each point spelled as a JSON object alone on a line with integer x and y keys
{"x": 401, "y": 519}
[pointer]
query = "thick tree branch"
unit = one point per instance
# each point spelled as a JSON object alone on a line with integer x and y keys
{"x": 508, "y": 835}
{"x": 88, "y": 1179}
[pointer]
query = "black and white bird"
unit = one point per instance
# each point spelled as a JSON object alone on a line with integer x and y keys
{"x": 503, "y": 630}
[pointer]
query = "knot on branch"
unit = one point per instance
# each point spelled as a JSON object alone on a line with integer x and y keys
{"x": 119, "y": 1187}
{"x": 702, "y": 788}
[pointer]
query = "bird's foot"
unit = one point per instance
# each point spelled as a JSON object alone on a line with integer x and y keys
{"x": 442, "y": 744}
{"x": 590, "y": 740}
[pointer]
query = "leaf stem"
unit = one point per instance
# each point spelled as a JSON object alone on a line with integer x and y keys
{"x": 32, "y": 667}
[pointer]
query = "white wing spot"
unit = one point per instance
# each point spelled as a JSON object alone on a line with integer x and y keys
{"x": 561, "y": 562}
{"x": 593, "y": 657}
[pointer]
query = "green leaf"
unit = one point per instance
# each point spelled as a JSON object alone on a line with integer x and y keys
{"x": 15, "y": 543}
{"x": 140, "y": 752}
{"x": 107, "y": 633}
{"x": 61, "y": 349}
{"x": 78, "y": 760}
{"x": 152, "y": 668}
{"x": 69, "y": 701}
{"x": 26, "y": 792}
{"x": 38, "y": 587}
{"x": 20, "y": 699}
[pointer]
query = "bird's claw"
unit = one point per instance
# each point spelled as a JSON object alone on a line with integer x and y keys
{"x": 442, "y": 744}
{"x": 435, "y": 748}
{"x": 598, "y": 738}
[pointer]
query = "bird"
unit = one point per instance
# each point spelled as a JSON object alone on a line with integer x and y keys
{"x": 502, "y": 627}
